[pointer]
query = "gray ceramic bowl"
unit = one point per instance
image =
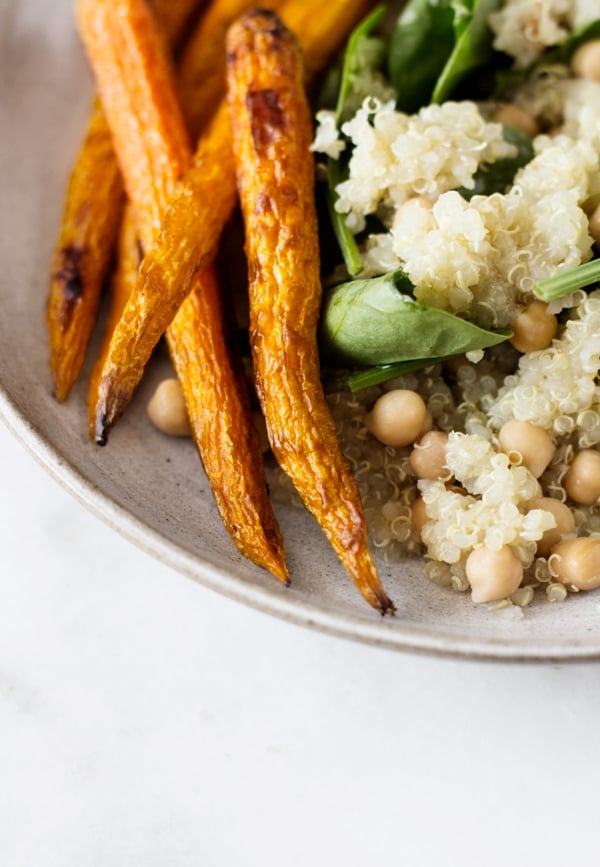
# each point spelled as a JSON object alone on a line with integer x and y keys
{"x": 148, "y": 486}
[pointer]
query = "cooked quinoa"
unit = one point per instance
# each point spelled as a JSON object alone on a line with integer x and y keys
{"x": 524, "y": 28}
{"x": 478, "y": 258}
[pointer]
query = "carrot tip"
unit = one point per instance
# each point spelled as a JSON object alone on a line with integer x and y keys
{"x": 101, "y": 430}
{"x": 387, "y": 607}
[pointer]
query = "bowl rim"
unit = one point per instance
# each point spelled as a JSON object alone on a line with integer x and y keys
{"x": 270, "y": 600}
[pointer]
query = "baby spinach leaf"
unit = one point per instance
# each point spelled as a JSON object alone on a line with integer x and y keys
{"x": 434, "y": 45}
{"x": 419, "y": 47}
{"x": 498, "y": 176}
{"x": 359, "y": 59}
{"x": 345, "y": 238}
{"x": 472, "y": 44}
{"x": 364, "y": 54}
{"x": 376, "y": 321}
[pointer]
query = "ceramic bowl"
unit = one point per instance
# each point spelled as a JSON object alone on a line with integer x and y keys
{"x": 151, "y": 487}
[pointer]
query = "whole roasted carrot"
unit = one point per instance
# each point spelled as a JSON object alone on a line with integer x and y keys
{"x": 222, "y": 424}
{"x": 128, "y": 50}
{"x": 272, "y": 132}
{"x": 89, "y": 227}
{"x": 192, "y": 223}
{"x": 83, "y": 252}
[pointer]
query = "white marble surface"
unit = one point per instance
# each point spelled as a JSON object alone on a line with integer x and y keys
{"x": 146, "y": 721}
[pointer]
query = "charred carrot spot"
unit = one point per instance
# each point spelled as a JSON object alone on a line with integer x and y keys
{"x": 70, "y": 280}
{"x": 266, "y": 117}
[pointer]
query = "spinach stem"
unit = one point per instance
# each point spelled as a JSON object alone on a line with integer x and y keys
{"x": 561, "y": 284}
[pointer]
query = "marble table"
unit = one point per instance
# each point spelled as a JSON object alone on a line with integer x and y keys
{"x": 145, "y": 720}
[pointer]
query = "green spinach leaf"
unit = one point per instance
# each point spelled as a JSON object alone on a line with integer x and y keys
{"x": 377, "y": 321}
{"x": 472, "y": 44}
{"x": 364, "y": 54}
{"x": 419, "y": 48}
{"x": 359, "y": 58}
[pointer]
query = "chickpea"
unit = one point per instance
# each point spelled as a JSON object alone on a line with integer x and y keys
{"x": 594, "y": 225}
{"x": 421, "y": 201}
{"x": 582, "y": 479}
{"x": 533, "y": 328}
{"x": 517, "y": 118}
{"x": 576, "y": 563}
{"x": 428, "y": 458}
{"x": 585, "y": 61}
{"x": 398, "y": 418}
{"x": 418, "y": 514}
{"x": 565, "y": 523}
{"x": 531, "y": 443}
{"x": 493, "y": 574}
{"x": 166, "y": 409}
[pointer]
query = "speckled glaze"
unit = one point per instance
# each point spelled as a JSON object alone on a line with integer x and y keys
{"x": 150, "y": 487}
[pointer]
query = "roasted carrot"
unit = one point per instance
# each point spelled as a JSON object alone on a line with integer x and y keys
{"x": 83, "y": 252}
{"x": 89, "y": 227}
{"x": 219, "y": 412}
{"x": 205, "y": 201}
{"x": 201, "y": 70}
{"x": 149, "y": 134}
{"x": 222, "y": 424}
{"x": 122, "y": 283}
{"x": 272, "y": 132}
{"x": 194, "y": 219}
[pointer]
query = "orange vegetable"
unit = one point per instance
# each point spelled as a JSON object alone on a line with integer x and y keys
{"x": 83, "y": 252}
{"x": 152, "y": 148}
{"x": 89, "y": 228}
{"x": 201, "y": 84}
{"x": 193, "y": 222}
{"x": 201, "y": 204}
{"x": 272, "y": 133}
{"x": 122, "y": 283}
{"x": 134, "y": 79}
{"x": 222, "y": 425}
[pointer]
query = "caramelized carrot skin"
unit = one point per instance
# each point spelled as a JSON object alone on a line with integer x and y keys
{"x": 272, "y": 132}
{"x": 187, "y": 243}
{"x": 202, "y": 72}
{"x": 220, "y": 412}
{"x": 149, "y": 134}
{"x": 83, "y": 253}
{"x": 122, "y": 284}
{"x": 89, "y": 227}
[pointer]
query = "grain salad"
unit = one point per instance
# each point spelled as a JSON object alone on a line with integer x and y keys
{"x": 471, "y": 203}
